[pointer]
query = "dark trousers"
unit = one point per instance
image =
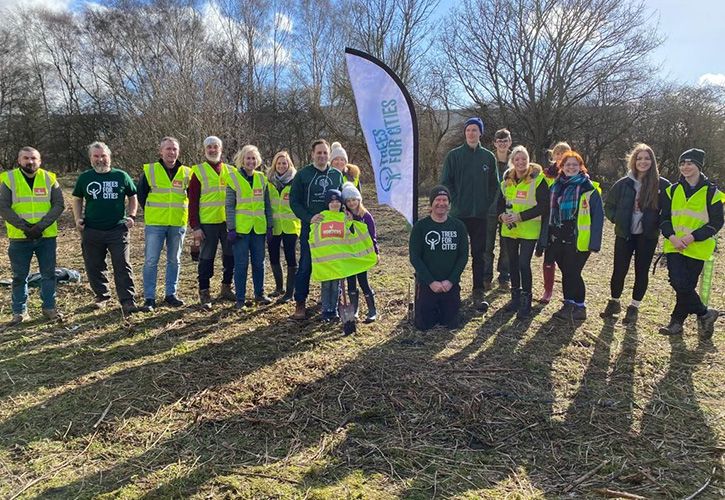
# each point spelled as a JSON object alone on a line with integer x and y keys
{"x": 304, "y": 269}
{"x": 519, "y": 254}
{"x": 214, "y": 235}
{"x": 289, "y": 242}
{"x": 361, "y": 278}
{"x": 684, "y": 273}
{"x": 96, "y": 245}
{"x": 493, "y": 232}
{"x": 570, "y": 262}
{"x": 643, "y": 250}
{"x": 21, "y": 255}
{"x": 477, "y": 233}
{"x": 436, "y": 308}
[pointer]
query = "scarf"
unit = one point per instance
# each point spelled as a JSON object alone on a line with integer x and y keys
{"x": 280, "y": 181}
{"x": 565, "y": 194}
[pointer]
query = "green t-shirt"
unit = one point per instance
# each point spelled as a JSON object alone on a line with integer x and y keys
{"x": 105, "y": 197}
{"x": 438, "y": 250}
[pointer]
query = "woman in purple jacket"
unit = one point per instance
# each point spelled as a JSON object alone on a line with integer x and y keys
{"x": 352, "y": 199}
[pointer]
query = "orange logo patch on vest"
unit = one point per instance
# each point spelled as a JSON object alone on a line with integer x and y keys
{"x": 222, "y": 182}
{"x": 285, "y": 196}
{"x": 332, "y": 229}
{"x": 522, "y": 195}
{"x": 257, "y": 192}
{"x": 585, "y": 204}
{"x": 177, "y": 183}
{"x": 40, "y": 191}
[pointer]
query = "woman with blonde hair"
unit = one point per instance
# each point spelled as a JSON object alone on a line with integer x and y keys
{"x": 633, "y": 205}
{"x": 286, "y": 226}
{"x": 339, "y": 161}
{"x": 521, "y": 210}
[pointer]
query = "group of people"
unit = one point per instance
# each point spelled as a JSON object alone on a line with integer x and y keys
{"x": 236, "y": 207}
{"x": 558, "y": 211}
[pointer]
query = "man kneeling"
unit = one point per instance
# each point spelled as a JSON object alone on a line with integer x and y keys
{"x": 438, "y": 251}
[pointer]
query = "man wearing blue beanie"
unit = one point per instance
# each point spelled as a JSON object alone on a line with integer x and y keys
{"x": 469, "y": 173}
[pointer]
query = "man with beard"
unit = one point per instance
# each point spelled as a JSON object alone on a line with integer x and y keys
{"x": 104, "y": 226}
{"x": 207, "y": 190}
{"x": 31, "y": 202}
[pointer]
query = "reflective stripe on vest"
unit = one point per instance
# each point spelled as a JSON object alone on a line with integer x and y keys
{"x": 340, "y": 248}
{"x": 249, "y": 209}
{"x": 584, "y": 222}
{"x": 167, "y": 203}
{"x": 29, "y": 205}
{"x": 522, "y": 196}
{"x": 285, "y": 221}
{"x": 688, "y": 215}
{"x": 213, "y": 192}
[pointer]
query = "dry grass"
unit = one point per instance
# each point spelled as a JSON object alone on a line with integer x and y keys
{"x": 185, "y": 403}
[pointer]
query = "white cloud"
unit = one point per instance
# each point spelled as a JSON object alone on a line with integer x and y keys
{"x": 283, "y": 22}
{"x": 712, "y": 79}
{"x": 55, "y": 5}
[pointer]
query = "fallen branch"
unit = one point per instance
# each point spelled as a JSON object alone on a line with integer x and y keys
{"x": 701, "y": 488}
{"x": 103, "y": 415}
{"x": 606, "y": 492}
{"x": 586, "y": 476}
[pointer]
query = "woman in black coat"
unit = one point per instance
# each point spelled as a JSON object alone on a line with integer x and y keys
{"x": 633, "y": 205}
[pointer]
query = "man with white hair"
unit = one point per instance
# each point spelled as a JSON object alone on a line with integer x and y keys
{"x": 105, "y": 226}
{"x": 31, "y": 202}
{"x": 162, "y": 194}
{"x": 207, "y": 191}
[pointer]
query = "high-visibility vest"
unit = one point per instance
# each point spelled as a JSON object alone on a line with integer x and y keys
{"x": 522, "y": 196}
{"x": 689, "y": 214}
{"x": 29, "y": 204}
{"x": 597, "y": 186}
{"x": 550, "y": 180}
{"x": 340, "y": 248}
{"x": 213, "y": 192}
{"x": 584, "y": 222}
{"x": 249, "y": 210}
{"x": 167, "y": 203}
{"x": 284, "y": 219}
{"x": 355, "y": 180}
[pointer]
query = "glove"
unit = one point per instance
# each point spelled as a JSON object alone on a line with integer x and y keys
{"x": 539, "y": 251}
{"x": 232, "y": 236}
{"x": 34, "y": 232}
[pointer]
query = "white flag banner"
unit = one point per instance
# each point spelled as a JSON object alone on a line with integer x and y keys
{"x": 388, "y": 121}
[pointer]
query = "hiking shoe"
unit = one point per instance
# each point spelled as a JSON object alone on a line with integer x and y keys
{"x": 630, "y": 317}
{"x": 226, "y": 293}
{"x": 565, "y": 313}
{"x": 173, "y": 301}
{"x": 129, "y": 308}
{"x": 52, "y": 314}
{"x": 612, "y": 309}
{"x": 101, "y": 303}
{"x": 674, "y": 328}
{"x": 579, "y": 313}
{"x": 148, "y": 306}
{"x": 205, "y": 298}
{"x": 300, "y": 311}
{"x": 241, "y": 306}
{"x": 707, "y": 323}
{"x": 262, "y": 300}
{"x": 18, "y": 318}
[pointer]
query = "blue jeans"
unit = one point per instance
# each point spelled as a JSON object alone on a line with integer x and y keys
{"x": 155, "y": 236}
{"x": 330, "y": 293}
{"x": 304, "y": 268}
{"x": 246, "y": 245}
{"x": 21, "y": 254}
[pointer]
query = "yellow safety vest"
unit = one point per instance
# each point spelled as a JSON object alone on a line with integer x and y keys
{"x": 29, "y": 205}
{"x": 689, "y": 214}
{"x": 285, "y": 220}
{"x": 584, "y": 222}
{"x": 355, "y": 180}
{"x": 213, "y": 191}
{"x": 596, "y": 186}
{"x": 249, "y": 210}
{"x": 167, "y": 203}
{"x": 522, "y": 196}
{"x": 340, "y": 248}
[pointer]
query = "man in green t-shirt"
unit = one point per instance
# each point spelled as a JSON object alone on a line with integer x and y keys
{"x": 104, "y": 226}
{"x": 438, "y": 249}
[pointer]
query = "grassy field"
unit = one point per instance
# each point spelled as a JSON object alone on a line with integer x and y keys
{"x": 184, "y": 403}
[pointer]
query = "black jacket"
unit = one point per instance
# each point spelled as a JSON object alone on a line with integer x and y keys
{"x": 620, "y": 204}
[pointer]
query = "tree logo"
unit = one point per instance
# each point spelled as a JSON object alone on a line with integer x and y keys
{"x": 433, "y": 238}
{"x": 323, "y": 182}
{"x": 387, "y": 178}
{"x": 94, "y": 189}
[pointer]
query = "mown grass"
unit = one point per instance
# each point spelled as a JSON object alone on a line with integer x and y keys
{"x": 184, "y": 403}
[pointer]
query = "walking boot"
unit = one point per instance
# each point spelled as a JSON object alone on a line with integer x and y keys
{"x": 226, "y": 293}
{"x": 277, "y": 273}
{"x": 372, "y": 314}
{"x": 515, "y": 301}
{"x": 354, "y": 300}
{"x": 289, "y": 289}
{"x": 630, "y": 317}
{"x": 612, "y": 309}
{"x": 205, "y": 299}
{"x": 479, "y": 300}
{"x": 525, "y": 306}
{"x": 579, "y": 313}
{"x": 674, "y": 328}
{"x": 706, "y": 323}
{"x": 300, "y": 312}
{"x": 564, "y": 314}
{"x": 549, "y": 275}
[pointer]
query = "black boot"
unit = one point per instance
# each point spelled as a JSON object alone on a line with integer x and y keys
{"x": 525, "y": 306}
{"x": 372, "y": 314}
{"x": 515, "y": 302}
{"x": 289, "y": 290}
{"x": 277, "y": 273}
{"x": 354, "y": 300}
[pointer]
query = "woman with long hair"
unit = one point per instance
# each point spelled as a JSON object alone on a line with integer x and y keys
{"x": 521, "y": 209}
{"x": 633, "y": 205}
